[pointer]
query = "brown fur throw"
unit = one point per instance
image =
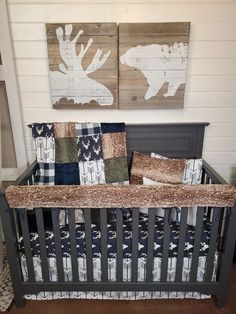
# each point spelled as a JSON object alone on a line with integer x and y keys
{"x": 71, "y": 196}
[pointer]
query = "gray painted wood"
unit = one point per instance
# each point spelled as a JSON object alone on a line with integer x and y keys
{"x": 42, "y": 244}
{"x": 58, "y": 250}
{"x": 104, "y": 259}
{"x": 73, "y": 244}
{"x": 181, "y": 244}
{"x": 88, "y": 244}
{"x": 176, "y": 140}
{"x": 27, "y": 244}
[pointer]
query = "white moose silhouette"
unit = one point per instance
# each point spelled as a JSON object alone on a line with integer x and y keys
{"x": 157, "y": 63}
{"x": 72, "y": 81}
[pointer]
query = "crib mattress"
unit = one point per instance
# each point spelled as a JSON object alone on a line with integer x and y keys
{"x": 127, "y": 239}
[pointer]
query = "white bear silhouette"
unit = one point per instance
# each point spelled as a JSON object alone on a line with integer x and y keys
{"x": 159, "y": 64}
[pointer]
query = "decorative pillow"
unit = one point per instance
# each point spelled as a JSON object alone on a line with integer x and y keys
{"x": 192, "y": 175}
{"x": 192, "y": 170}
{"x": 165, "y": 171}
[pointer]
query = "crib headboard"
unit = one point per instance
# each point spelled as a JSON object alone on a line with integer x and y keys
{"x": 176, "y": 140}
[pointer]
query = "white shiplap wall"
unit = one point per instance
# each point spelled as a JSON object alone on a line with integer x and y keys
{"x": 211, "y": 81}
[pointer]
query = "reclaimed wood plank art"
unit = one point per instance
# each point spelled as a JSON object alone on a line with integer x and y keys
{"x": 153, "y": 62}
{"x": 83, "y": 65}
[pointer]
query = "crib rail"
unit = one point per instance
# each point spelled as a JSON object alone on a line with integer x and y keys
{"x": 93, "y": 196}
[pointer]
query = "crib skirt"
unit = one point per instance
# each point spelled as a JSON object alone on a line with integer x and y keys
{"x": 117, "y": 295}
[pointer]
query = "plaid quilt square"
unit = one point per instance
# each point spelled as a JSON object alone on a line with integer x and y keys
{"x": 114, "y": 145}
{"x": 90, "y": 147}
{"x": 42, "y": 129}
{"x": 116, "y": 170}
{"x": 67, "y": 174}
{"x": 66, "y": 150}
{"x": 45, "y": 149}
{"x": 92, "y": 172}
{"x": 112, "y": 127}
{"x": 45, "y": 174}
{"x": 64, "y": 129}
{"x": 87, "y": 128}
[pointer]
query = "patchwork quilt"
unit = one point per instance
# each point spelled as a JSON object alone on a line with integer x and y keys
{"x": 80, "y": 153}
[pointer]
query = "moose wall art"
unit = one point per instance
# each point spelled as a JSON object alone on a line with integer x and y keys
{"x": 84, "y": 63}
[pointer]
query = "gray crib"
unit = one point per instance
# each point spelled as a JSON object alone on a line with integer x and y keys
{"x": 173, "y": 140}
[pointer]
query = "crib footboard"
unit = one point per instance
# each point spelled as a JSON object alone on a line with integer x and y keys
{"x": 221, "y": 241}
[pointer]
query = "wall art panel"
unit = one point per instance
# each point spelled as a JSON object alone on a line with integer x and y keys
{"x": 152, "y": 65}
{"x": 83, "y": 65}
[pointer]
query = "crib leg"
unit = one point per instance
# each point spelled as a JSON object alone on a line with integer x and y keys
{"x": 12, "y": 251}
{"x": 19, "y": 301}
{"x": 220, "y": 300}
{"x": 227, "y": 258}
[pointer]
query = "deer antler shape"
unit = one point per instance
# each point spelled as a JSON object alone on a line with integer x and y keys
{"x": 72, "y": 81}
{"x": 97, "y": 61}
{"x": 68, "y": 48}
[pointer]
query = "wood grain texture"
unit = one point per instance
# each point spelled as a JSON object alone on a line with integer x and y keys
{"x": 83, "y": 65}
{"x": 153, "y": 63}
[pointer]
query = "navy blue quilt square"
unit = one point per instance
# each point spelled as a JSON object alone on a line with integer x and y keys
{"x": 42, "y": 129}
{"x": 67, "y": 173}
{"x": 90, "y": 147}
{"x": 112, "y": 127}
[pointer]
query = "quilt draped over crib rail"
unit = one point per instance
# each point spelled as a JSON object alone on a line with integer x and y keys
{"x": 80, "y": 153}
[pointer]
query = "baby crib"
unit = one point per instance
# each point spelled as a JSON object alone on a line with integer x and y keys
{"x": 216, "y": 211}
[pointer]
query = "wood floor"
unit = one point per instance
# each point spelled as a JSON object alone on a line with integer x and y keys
{"x": 131, "y": 307}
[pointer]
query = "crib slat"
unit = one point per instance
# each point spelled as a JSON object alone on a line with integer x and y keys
{"x": 166, "y": 243}
{"x": 119, "y": 245}
{"x": 181, "y": 244}
{"x": 42, "y": 243}
{"x": 73, "y": 244}
{"x": 27, "y": 243}
{"x": 88, "y": 244}
{"x": 197, "y": 243}
{"x": 223, "y": 221}
{"x": 135, "y": 233}
{"x": 203, "y": 176}
{"x": 57, "y": 239}
{"x": 150, "y": 244}
{"x": 212, "y": 244}
{"x": 104, "y": 266}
